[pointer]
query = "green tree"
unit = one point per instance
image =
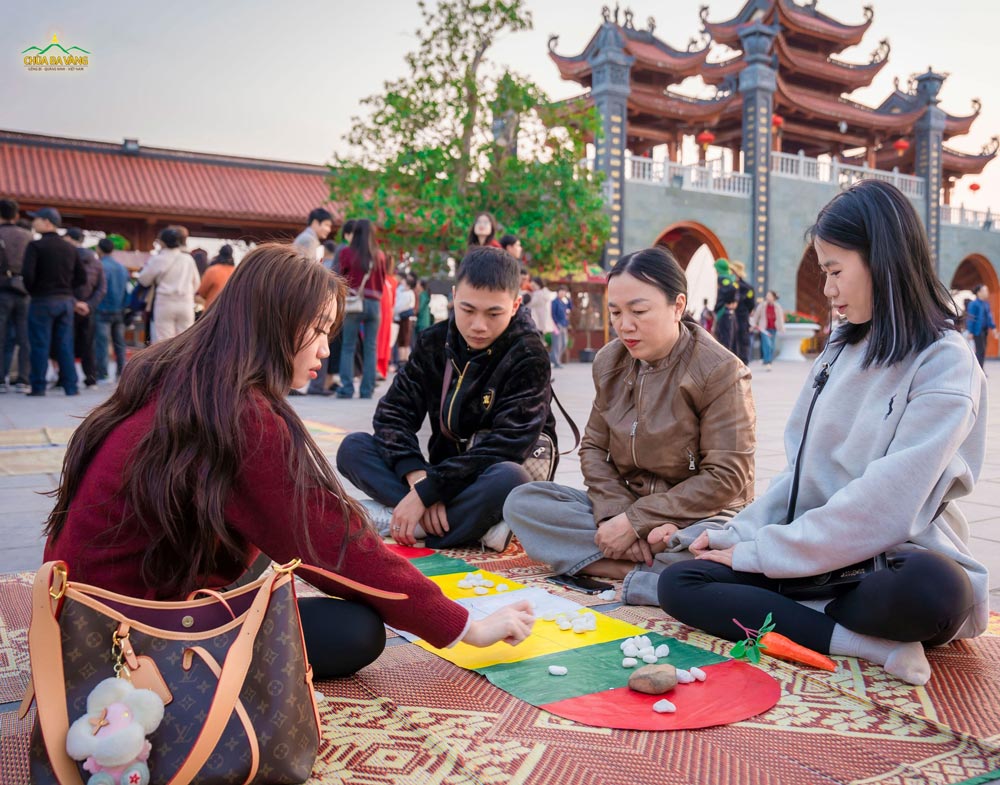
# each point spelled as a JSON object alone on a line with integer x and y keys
{"x": 459, "y": 136}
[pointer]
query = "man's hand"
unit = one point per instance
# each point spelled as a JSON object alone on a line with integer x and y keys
{"x": 81, "y": 308}
{"x": 435, "y": 520}
{"x": 405, "y": 517}
{"x": 615, "y": 536}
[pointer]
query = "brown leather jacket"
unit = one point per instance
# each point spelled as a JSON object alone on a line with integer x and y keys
{"x": 671, "y": 442}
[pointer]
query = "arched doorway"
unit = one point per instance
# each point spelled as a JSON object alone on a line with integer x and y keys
{"x": 809, "y": 282}
{"x": 976, "y": 269}
{"x": 696, "y": 248}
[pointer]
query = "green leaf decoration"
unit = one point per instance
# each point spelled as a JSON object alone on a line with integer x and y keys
{"x": 753, "y": 654}
{"x": 738, "y": 651}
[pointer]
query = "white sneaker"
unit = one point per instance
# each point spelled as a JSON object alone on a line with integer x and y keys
{"x": 380, "y": 514}
{"x": 498, "y": 537}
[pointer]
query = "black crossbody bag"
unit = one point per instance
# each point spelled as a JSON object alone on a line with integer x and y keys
{"x": 835, "y": 582}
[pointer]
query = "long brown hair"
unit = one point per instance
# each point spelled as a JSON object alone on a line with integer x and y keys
{"x": 209, "y": 383}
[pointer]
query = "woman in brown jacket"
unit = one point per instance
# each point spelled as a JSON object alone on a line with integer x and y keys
{"x": 668, "y": 449}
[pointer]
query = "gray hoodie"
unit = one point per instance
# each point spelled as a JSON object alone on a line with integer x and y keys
{"x": 889, "y": 451}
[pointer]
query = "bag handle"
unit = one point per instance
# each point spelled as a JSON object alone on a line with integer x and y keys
{"x": 45, "y": 646}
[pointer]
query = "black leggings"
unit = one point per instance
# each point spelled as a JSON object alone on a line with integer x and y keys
{"x": 341, "y": 637}
{"x": 920, "y": 596}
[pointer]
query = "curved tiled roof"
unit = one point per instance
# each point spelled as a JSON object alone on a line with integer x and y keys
{"x": 157, "y": 181}
{"x": 803, "y": 20}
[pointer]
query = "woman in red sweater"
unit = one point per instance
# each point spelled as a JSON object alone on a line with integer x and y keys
{"x": 196, "y": 464}
{"x": 363, "y": 266}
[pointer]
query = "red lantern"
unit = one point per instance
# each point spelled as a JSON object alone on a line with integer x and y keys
{"x": 777, "y": 121}
{"x": 974, "y": 187}
{"x": 705, "y": 138}
{"x": 900, "y": 146}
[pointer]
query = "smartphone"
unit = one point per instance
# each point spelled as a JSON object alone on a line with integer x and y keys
{"x": 583, "y": 583}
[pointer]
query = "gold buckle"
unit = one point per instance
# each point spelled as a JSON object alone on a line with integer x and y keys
{"x": 58, "y": 587}
{"x": 284, "y": 569}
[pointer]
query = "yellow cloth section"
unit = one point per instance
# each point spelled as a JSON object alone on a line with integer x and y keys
{"x": 545, "y": 638}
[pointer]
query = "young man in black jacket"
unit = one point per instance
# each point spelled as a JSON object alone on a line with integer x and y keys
{"x": 498, "y": 389}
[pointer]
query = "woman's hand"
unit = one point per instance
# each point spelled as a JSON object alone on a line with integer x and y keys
{"x": 724, "y": 556}
{"x": 405, "y": 517}
{"x": 511, "y": 625}
{"x": 639, "y": 551}
{"x": 661, "y": 534}
{"x": 700, "y": 544}
{"x": 615, "y": 535}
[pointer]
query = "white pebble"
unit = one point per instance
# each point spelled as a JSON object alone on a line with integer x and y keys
{"x": 481, "y": 590}
{"x": 502, "y": 587}
{"x": 646, "y": 650}
{"x": 662, "y": 650}
{"x": 487, "y": 583}
{"x": 649, "y": 659}
{"x": 546, "y": 617}
{"x": 464, "y": 584}
{"x": 563, "y": 624}
{"x": 629, "y": 662}
{"x": 630, "y": 650}
{"x": 684, "y": 677}
{"x": 643, "y": 641}
{"x": 607, "y": 595}
{"x": 623, "y": 644}
{"x": 558, "y": 670}
{"x": 698, "y": 673}
{"x": 664, "y": 707}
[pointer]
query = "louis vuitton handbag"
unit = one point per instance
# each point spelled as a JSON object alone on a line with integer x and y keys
{"x": 230, "y": 669}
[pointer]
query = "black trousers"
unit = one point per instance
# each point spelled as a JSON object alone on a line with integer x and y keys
{"x": 341, "y": 637}
{"x": 920, "y": 596}
{"x": 470, "y": 514}
{"x": 980, "y": 342}
{"x": 84, "y": 333}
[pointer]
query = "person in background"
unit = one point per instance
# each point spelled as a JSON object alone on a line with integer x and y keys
{"x": 484, "y": 231}
{"x": 175, "y": 276}
{"x": 980, "y": 322}
{"x": 327, "y": 380}
{"x": 14, "y": 297}
{"x": 424, "y": 316}
{"x": 725, "y": 305}
{"x": 745, "y": 302}
{"x": 707, "y": 317}
{"x": 319, "y": 224}
{"x": 384, "y": 353}
{"x": 111, "y": 312}
{"x": 768, "y": 320}
{"x": 216, "y": 276}
{"x": 512, "y": 245}
{"x": 561, "y": 306}
{"x": 541, "y": 308}
{"x": 362, "y": 265}
{"x": 404, "y": 314}
{"x": 88, "y": 297}
{"x": 200, "y": 256}
{"x": 525, "y": 283}
{"x": 52, "y": 270}
{"x": 329, "y": 254}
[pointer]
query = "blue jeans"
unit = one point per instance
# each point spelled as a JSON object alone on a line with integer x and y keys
{"x": 558, "y": 345}
{"x": 51, "y": 319}
{"x": 110, "y": 324}
{"x": 767, "y": 345}
{"x": 370, "y": 317}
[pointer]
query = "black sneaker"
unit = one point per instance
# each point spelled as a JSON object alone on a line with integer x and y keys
{"x": 37, "y": 394}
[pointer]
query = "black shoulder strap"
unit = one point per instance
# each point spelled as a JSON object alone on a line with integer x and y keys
{"x": 819, "y": 382}
{"x": 572, "y": 425}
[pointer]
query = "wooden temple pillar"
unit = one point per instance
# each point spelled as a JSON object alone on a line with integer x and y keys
{"x": 758, "y": 81}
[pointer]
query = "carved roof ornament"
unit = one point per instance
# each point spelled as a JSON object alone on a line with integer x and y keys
{"x": 895, "y": 83}
{"x": 553, "y": 40}
{"x": 882, "y": 53}
{"x": 606, "y": 13}
{"x": 869, "y": 13}
{"x": 703, "y": 41}
{"x": 703, "y": 13}
{"x": 992, "y": 146}
{"x": 628, "y": 19}
{"x": 977, "y": 105}
{"x": 617, "y": 7}
{"x": 650, "y": 25}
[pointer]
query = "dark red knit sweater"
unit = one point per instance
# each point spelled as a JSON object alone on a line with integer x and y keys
{"x": 259, "y": 511}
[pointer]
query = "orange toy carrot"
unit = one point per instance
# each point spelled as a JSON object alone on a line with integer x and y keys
{"x": 776, "y": 645}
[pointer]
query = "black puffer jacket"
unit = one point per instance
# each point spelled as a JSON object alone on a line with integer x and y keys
{"x": 503, "y": 389}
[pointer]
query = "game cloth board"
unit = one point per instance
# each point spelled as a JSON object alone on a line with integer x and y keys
{"x": 412, "y": 717}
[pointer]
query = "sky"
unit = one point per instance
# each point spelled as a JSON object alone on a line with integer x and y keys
{"x": 283, "y": 80}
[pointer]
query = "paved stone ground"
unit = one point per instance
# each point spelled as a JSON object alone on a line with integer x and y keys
{"x": 33, "y": 432}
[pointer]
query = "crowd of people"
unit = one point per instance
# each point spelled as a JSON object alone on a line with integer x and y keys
{"x": 197, "y": 463}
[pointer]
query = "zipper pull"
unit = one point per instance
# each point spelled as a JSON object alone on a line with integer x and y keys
{"x": 691, "y": 465}
{"x": 635, "y": 424}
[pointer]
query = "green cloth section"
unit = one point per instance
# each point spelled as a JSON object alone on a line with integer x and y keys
{"x": 439, "y": 564}
{"x": 590, "y": 669}
{"x": 991, "y": 776}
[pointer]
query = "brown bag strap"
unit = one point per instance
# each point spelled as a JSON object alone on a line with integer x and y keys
{"x": 45, "y": 651}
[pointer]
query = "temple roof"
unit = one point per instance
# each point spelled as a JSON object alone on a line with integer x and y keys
{"x": 953, "y": 162}
{"x": 804, "y": 23}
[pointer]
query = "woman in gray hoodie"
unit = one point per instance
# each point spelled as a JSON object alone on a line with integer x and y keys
{"x": 898, "y": 434}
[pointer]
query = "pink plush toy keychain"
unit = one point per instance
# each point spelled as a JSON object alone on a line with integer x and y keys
{"x": 111, "y": 737}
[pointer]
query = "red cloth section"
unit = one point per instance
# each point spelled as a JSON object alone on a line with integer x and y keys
{"x": 409, "y": 553}
{"x": 383, "y": 347}
{"x": 732, "y": 691}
